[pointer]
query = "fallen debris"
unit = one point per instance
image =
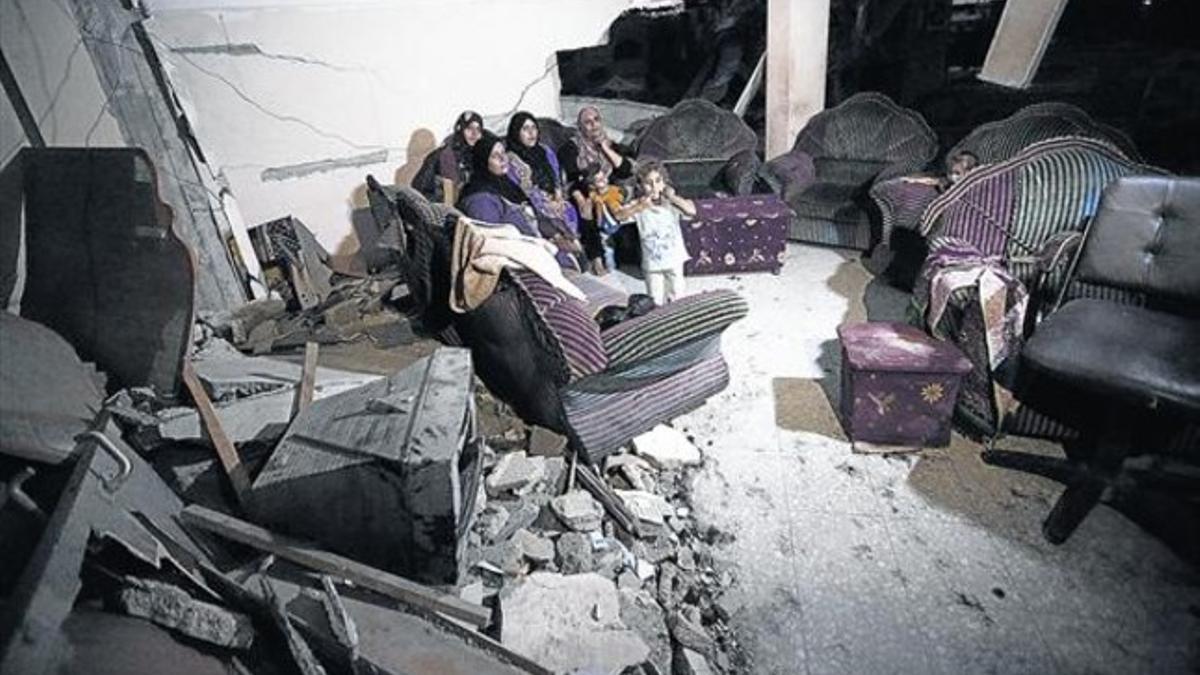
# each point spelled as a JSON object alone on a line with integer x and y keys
{"x": 363, "y": 575}
{"x": 387, "y": 471}
{"x": 569, "y": 623}
{"x": 578, "y": 511}
{"x": 667, "y": 448}
{"x": 172, "y": 607}
{"x": 515, "y": 472}
{"x": 230, "y": 460}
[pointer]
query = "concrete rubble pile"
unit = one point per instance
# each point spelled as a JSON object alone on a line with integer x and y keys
{"x": 597, "y": 569}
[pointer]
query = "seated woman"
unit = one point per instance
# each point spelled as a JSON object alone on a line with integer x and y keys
{"x": 492, "y": 198}
{"x": 534, "y": 168}
{"x": 448, "y": 168}
{"x": 590, "y": 149}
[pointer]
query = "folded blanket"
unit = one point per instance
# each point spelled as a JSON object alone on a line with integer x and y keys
{"x": 481, "y": 251}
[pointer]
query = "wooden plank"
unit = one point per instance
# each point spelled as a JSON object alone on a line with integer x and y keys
{"x": 330, "y": 563}
{"x": 308, "y": 376}
{"x": 228, "y": 454}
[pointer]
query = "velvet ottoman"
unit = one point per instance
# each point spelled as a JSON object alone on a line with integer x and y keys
{"x": 745, "y": 233}
{"x": 898, "y": 384}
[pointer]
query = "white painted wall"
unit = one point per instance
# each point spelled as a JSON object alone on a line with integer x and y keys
{"x": 340, "y": 80}
{"x": 45, "y": 50}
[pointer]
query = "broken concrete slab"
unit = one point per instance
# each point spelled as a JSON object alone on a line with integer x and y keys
{"x": 575, "y": 555}
{"x": 578, "y": 510}
{"x": 692, "y": 663}
{"x": 390, "y": 483}
{"x": 641, "y": 613}
{"x": 536, "y": 548}
{"x": 491, "y": 521}
{"x": 569, "y": 624}
{"x": 514, "y": 472}
{"x": 647, "y": 507}
{"x": 172, "y": 607}
{"x": 688, "y": 632}
{"x": 667, "y": 448}
{"x": 523, "y": 516}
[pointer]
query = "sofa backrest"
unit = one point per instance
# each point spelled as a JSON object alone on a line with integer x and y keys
{"x": 999, "y": 140}
{"x": 696, "y": 129}
{"x": 869, "y": 127}
{"x": 1013, "y": 207}
{"x": 1145, "y": 238}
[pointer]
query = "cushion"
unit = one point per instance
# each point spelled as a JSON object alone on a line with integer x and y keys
{"x": 1123, "y": 350}
{"x": 570, "y": 321}
{"x": 689, "y": 318}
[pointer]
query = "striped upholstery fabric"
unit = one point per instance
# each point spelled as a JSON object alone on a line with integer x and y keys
{"x": 997, "y": 141}
{"x": 901, "y": 203}
{"x": 685, "y": 320}
{"x": 567, "y": 318}
{"x": 865, "y": 139}
{"x": 602, "y": 422}
{"x": 1013, "y": 207}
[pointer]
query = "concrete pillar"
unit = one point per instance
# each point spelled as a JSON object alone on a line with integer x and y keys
{"x": 797, "y": 42}
{"x": 1019, "y": 43}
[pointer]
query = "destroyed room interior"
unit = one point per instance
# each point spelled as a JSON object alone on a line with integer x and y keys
{"x": 604, "y": 337}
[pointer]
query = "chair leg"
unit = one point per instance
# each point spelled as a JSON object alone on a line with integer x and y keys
{"x": 1072, "y": 506}
{"x": 1054, "y": 468}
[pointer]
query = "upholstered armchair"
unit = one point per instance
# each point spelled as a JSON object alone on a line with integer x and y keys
{"x": 1023, "y": 212}
{"x": 541, "y": 352}
{"x": 901, "y": 202}
{"x": 1118, "y": 358}
{"x": 835, "y": 160}
{"x": 705, "y": 148}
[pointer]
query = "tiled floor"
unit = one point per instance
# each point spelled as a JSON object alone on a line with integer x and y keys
{"x": 849, "y": 563}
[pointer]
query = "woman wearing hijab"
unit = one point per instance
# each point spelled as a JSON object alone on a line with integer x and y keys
{"x": 492, "y": 198}
{"x": 447, "y": 168}
{"x": 534, "y": 168}
{"x": 590, "y": 151}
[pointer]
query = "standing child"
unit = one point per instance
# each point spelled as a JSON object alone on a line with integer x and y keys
{"x": 656, "y": 213}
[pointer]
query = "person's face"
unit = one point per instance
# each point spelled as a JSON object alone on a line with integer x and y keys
{"x": 498, "y": 160}
{"x": 600, "y": 181}
{"x": 472, "y": 133}
{"x": 529, "y": 133}
{"x": 653, "y": 184}
{"x": 591, "y": 125}
{"x": 960, "y": 167}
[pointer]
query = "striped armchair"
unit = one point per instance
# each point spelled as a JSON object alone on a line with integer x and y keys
{"x": 901, "y": 202}
{"x": 541, "y": 352}
{"x": 1026, "y": 212}
{"x": 838, "y": 156}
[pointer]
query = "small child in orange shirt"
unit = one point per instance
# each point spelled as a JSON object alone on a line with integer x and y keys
{"x": 605, "y": 200}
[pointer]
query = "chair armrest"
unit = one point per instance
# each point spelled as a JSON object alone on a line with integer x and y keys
{"x": 901, "y": 203}
{"x": 739, "y": 173}
{"x": 666, "y": 328}
{"x": 1052, "y": 265}
{"x": 789, "y": 172}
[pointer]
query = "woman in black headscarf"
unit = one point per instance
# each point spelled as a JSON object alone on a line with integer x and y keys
{"x": 534, "y": 167}
{"x": 490, "y": 196}
{"x": 449, "y": 167}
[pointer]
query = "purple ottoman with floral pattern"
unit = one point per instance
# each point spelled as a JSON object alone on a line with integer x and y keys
{"x": 898, "y": 384}
{"x": 746, "y": 233}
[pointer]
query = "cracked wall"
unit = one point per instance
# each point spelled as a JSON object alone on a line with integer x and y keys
{"x": 288, "y": 100}
{"x": 45, "y": 50}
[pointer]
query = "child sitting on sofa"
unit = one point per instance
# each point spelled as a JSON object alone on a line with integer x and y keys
{"x": 656, "y": 212}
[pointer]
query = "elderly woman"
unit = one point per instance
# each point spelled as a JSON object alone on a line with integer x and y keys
{"x": 589, "y": 151}
{"x": 490, "y": 196}
{"x": 535, "y": 169}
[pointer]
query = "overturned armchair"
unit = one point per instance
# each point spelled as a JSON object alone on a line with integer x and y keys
{"x": 534, "y": 339}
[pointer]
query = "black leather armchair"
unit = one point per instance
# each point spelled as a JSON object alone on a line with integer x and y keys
{"x": 1119, "y": 358}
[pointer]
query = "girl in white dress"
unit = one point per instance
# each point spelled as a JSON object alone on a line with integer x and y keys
{"x": 656, "y": 213}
